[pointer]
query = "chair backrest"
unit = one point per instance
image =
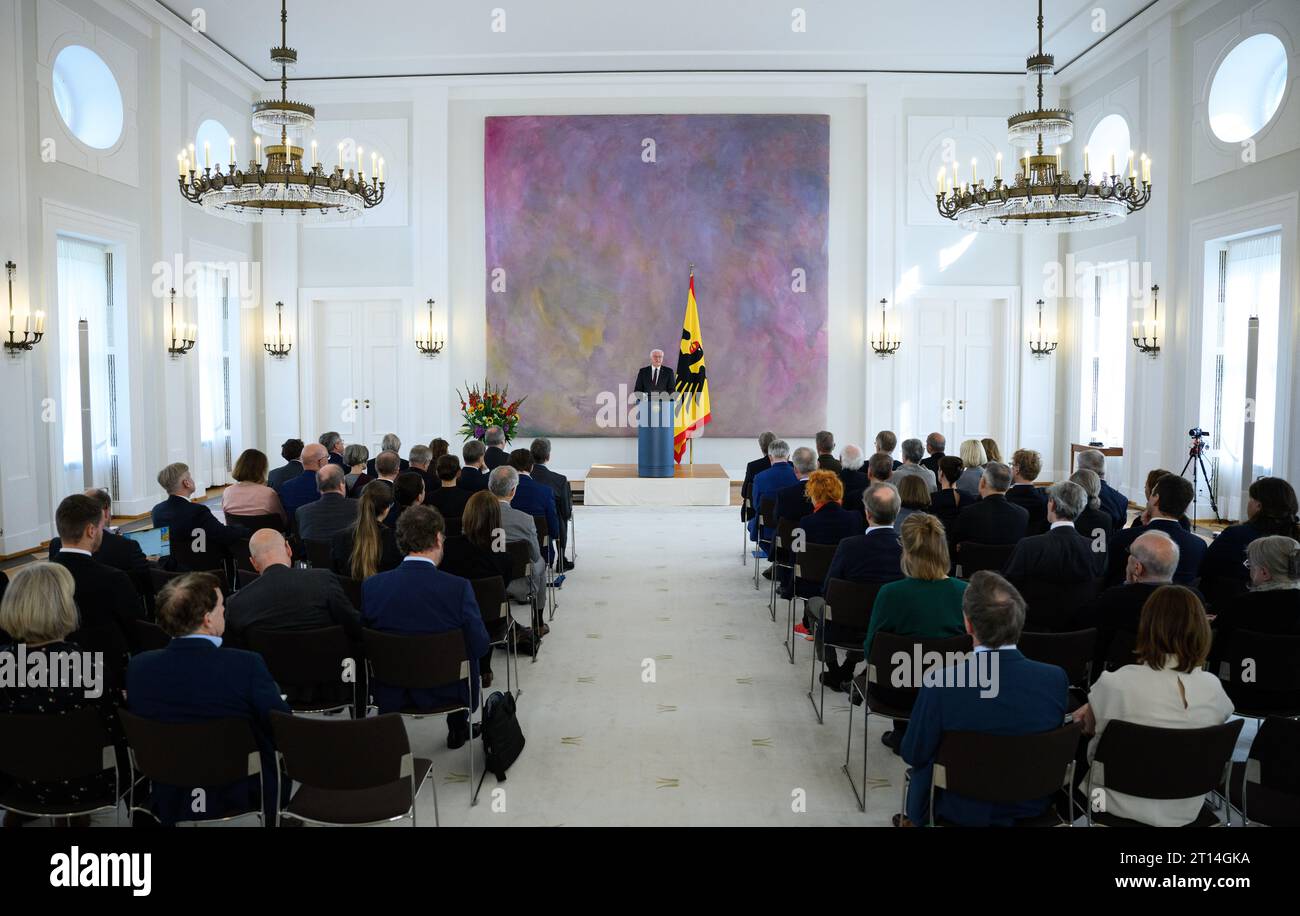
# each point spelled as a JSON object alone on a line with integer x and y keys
{"x": 160, "y": 577}
{"x": 490, "y": 593}
{"x": 848, "y": 604}
{"x": 814, "y": 562}
{"x": 149, "y": 635}
{"x": 1121, "y": 651}
{"x": 1273, "y": 661}
{"x": 1272, "y": 774}
{"x": 417, "y": 661}
{"x": 1005, "y": 768}
{"x": 766, "y": 510}
{"x": 352, "y": 588}
{"x": 543, "y": 530}
{"x": 881, "y": 667}
{"x": 520, "y": 559}
{"x": 970, "y": 557}
{"x": 784, "y": 537}
{"x": 1164, "y": 763}
{"x": 343, "y": 754}
{"x": 51, "y": 747}
{"x": 215, "y": 752}
{"x": 243, "y": 558}
{"x": 1049, "y": 606}
{"x": 303, "y": 658}
{"x": 453, "y": 525}
{"x": 245, "y": 577}
{"x": 1072, "y": 651}
{"x": 319, "y": 553}
{"x": 256, "y": 522}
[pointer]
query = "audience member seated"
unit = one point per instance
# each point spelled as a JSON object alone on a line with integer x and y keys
{"x": 934, "y": 446}
{"x": 408, "y": 490}
{"x": 474, "y": 475}
{"x": 913, "y": 451}
{"x": 886, "y": 441}
{"x": 115, "y": 550}
{"x": 559, "y": 484}
{"x": 198, "y": 541}
{"x": 191, "y": 681}
{"x": 368, "y": 546}
{"x": 1061, "y": 556}
{"x": 471, "y": 556}
{"x": 1093, "y": 522}
{"x": 770, "y": 482}
{"x": 291, "y": 452}
{"x": 993, "y": 518}
{"x": 880, "y": 468}
{"x": 991, "y": 450}
{"x": 1168, "y": 502}
{"x": 390, "y": 443}
{"x": 296, "y": 493}
{"x": 1026, "y": 465}
{"x": 495, "y": 454}
{"x": 334, "y": 447}
{"x": 422, "y": 463}
{"x": 249, "y": 494}
{"x": 1152, "y": 477}
{"x": 1166, "y": 688}
{"x": 284, "y": 598}
{"x": 333, "y": 512}
{"x": 356, "y": 457}
{"x": 826, "y": 461}
{"x": 417, "y": 597}
{"x": 876, "y": 556}
{"x": 1273, "y": 603}
{"x": 753, "y": 469}
{"x": 792, "y": 501}
{"x": 973, "y": 460}
{"x": 447, "y": 498}
{"x": 519, "y": 527}
{"x": 1031, "y": 698}
{"x": 1152, "y": 559}
{"x": 828, "y": 523}
{"x": 535, "y": 498}
{"x": 1270, "y": 510}
{"x": 39, "y": 614}
{"x": 852, "y": 476}
{"x": 437, "y": 448}
{"x": 915, "y": 494}
{"x": 1113, "y": 501}
{"x": 947, "y": 503}
{"x": 387, "y": 466}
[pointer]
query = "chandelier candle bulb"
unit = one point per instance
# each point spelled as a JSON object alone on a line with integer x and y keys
{"x": 257, "y": 150}
{"x": 340, "y": 157}
{"x": 1086, "y": 168}
{"x": 1112, "y": 163}
{"x": 360, "y": 153}
{"x": 381, "y": 169}
{"x": 180, "y": 165}
{"x": 1058, "y": 160}
{"x": 997, "y": 165}
{"x": 315, "y": 160}
{"x": 233, "y": 160}
{"x": 973, "y": 180}
{"x": 1132, "y": 172}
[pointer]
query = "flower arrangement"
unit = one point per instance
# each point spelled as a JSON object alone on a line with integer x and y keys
{"x": 488, "y": 406}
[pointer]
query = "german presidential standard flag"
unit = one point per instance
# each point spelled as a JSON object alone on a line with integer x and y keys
{"x": 692, "y": 383}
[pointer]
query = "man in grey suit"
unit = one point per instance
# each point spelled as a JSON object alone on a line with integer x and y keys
{"x": 327, "y": 516}
{"x": 519, "y": 526}
{"x": 913, "y": 452}
{"x": 559, "y": 484}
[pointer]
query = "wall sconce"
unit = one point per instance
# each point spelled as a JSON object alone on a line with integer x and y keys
{"x": 1146, "y": 336}
{"x": 429, "y": 344}
{"x": 30, "y": 337}
{"x": 1039, "y": 345}
{"x": 885, "y": 343}
{"x": 279, "y": 345}
{"x": 183, "y": 336}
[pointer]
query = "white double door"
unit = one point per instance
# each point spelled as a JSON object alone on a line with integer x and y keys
{"x": 960, "y": 368}
{"x": 357, "y": 383}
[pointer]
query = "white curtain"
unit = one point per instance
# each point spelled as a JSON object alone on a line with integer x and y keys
{"x": 1252, "y": 284}
{"x": 213, "y": 346}
{"x": 1104, "y": 350}
{"x": 82, "y": 293}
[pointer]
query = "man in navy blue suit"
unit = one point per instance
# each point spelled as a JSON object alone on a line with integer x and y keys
{"x": 334, "y": 449}
{"x": 533, "y": 497}
{"x": 198, "y": 540}
{"x": 1000, "y": 693}
{"x": 1169, "y": 500}
{"x": 301, "y": 490}
{"x": 417, "y": 597}
{"x": 792, "y": 501}
{"x": 474, "y": 475}
{"x": 194, "y": 680}
{"x": 768, "y": 483}
{"x": 1113, "y": 501}
{"x": 752, "y": 470}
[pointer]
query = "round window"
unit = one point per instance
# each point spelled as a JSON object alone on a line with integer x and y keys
{"x": 1109, "y": 142}
{"x": 211, "y": 145}
{"x": 1247, "y": 88}
{"x": 87, "y": 97}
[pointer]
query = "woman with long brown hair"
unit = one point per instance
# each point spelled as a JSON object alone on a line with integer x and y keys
{"x": 473, "y": 555}
{"x": 368, "y": 546}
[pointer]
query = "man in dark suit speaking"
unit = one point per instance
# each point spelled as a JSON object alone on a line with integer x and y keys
{"x": 656, "y": 376}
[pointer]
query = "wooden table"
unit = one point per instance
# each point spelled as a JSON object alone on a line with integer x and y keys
{"x": 1114, "y": 451}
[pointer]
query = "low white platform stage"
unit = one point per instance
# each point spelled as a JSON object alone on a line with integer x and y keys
{"x": 690, "y": 485}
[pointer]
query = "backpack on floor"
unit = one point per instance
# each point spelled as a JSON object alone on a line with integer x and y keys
{"x": 503, "y": 740}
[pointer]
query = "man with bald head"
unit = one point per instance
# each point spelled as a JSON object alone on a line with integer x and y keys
{"x": 332, "y": 512}
{"x": 301, "y": 490}
{"x": 284, "y": 598}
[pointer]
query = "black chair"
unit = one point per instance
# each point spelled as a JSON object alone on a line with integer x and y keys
{"x": 1050, "y": 606}
{"x": 1261, "y": 674}
{"x": 544, "y": 544}
{"x": 848, "y": 606}
{"x": 1073, "y": 652}
{"x": 810, "y": 566}
{"x": 51, "y": 748}
{"x": 1266, "y": 787}
{"x": 216, "y": 752}
{"x": 310, "y": 666}
{"x": 422, "y": 662}
{"x": 970, "y": 557}
{"x": 881, "y": 698}
{"x": 494, "y": 606}
{"x": 1121, "y": 651}
{"x": 256, "y": 522}
{"x": 242, "y": 558}
{"x": 245, "y": 577}
{"x": 453, "y": 526}
{"x": 351, "y": 773}
{"x": 149, "y": 636}
{"x": 782, "y": 556}
{"x": 521, "y": 567}
{"x": 319, "y": 553}
{"x": 766, "y": 509}
{"x": 744, "y": 530}
{"x": 160, "y": 577}
{"x": 1163, "y": 763}
{"x": 1005, "y": 769}
{"x": 351, "y": 588}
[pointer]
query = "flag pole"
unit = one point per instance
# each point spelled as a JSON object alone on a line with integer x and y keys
{"x": 692, "y": 438}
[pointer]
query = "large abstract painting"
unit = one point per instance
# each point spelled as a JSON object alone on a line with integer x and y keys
{"x": 592, "y": 222}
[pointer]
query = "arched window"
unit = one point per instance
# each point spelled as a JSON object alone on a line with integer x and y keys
{"x": 1247, "y": 88}
{"x": 1109, "y": 141}
{"x": 87, "y": 97}
{"x": 214, "y": 134}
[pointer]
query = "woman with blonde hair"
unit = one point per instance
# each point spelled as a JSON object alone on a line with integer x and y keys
{"x": 973, "y": 460}
{"x": 991, "y": 450}
{"x": 368, "y": 546}
{"x": 1273, "y": 603}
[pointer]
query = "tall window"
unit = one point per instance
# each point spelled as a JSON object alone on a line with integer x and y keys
{"x": 218, "y": 349}
{"x": 1248, "y": 287}
{"x": 85, "y": 293}
{"x": 1102, "y": 349}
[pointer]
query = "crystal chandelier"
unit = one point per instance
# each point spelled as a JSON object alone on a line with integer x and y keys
{"x": 1043, "y": 195}
{"x": 275, "y": 184}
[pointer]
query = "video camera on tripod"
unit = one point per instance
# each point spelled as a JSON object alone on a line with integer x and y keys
{"x": 1196, "y": 461}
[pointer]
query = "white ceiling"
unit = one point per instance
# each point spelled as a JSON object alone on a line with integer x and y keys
{"x": 360, "y": 38}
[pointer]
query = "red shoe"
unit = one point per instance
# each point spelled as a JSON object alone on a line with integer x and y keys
{"x": 801, "y": 630}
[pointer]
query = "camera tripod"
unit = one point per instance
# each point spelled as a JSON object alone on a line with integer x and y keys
{"x": 1195, "y": 461}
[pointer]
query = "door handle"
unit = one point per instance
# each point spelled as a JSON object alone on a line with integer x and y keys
{"x": 367, "y": 403}
{"x": 947, "y": 404}
{"x": 961, "y": 405}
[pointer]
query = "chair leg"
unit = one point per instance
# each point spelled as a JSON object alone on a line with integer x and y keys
{"x": 848, "y": 750}
{"x": 789, "y": 628}
{"x": 433, "y": 784}
{"x": 812, "y": 682}
{"x": 473, "y": 794}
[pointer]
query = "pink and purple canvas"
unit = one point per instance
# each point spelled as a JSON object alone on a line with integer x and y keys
{"x": 592, "y": 222}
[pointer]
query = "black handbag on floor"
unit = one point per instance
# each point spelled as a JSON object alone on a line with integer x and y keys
{"x": 503, "y": 740}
